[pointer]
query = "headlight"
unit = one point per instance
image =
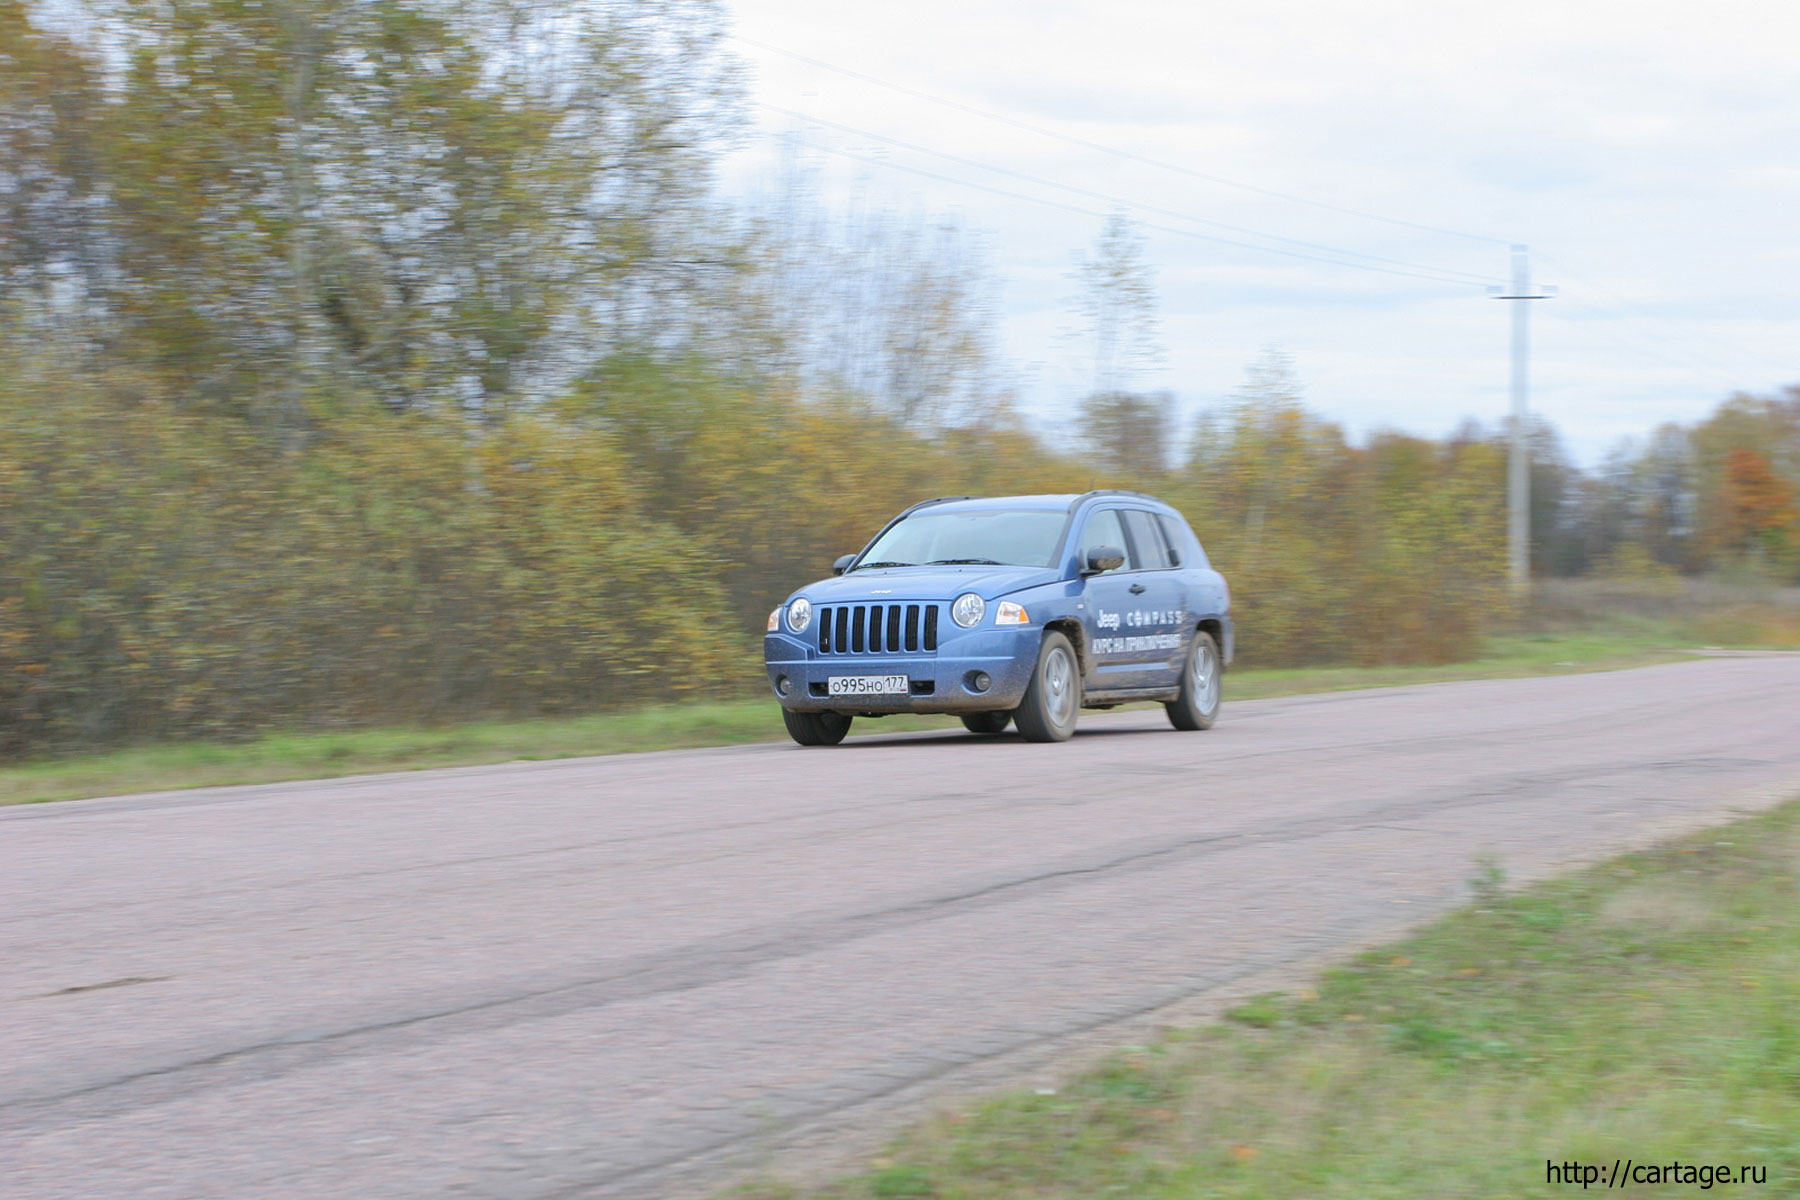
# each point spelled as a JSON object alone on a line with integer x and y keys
{"x": 1010, "y": 614}
{"x": 774, "y": 620}
{"x": 800, "y": 615}
{"x": 967, "y": 610}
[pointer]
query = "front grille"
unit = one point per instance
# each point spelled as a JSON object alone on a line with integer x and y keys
{"x": 878, "y": 629}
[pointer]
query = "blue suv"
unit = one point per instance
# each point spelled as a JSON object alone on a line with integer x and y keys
{"x": 1021, "y": 609}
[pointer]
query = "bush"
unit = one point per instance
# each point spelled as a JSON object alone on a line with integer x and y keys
{"x": 163, "y": 573}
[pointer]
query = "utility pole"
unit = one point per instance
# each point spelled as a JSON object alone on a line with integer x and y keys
{"x": 1518, "y": 459}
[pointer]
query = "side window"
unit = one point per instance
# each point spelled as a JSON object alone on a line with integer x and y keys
{"x": 1103, "y": 529}
{"x": 1147, "y": 539}
{"x": 1184, "y": 549}
{"x": 1171, "y": 538}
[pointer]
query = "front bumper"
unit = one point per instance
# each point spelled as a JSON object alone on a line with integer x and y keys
{"x": 940, "y": 681}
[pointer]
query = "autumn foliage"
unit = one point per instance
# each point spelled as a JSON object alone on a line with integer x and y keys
{"x": 1756, "y": 512}
{"x": 162, "y": 572}
{"x": 373, "y": 363}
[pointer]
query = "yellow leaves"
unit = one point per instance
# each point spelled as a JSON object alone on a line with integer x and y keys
{"x": 412, "y": 566}
{"x": 1390, "y": 554}
{"x": 400, "y": 568}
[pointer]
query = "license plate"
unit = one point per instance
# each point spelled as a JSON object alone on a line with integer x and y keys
{"x": 867, "y": 685}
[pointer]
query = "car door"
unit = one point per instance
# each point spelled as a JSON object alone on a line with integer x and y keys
{"x": 1122, "y": 652}
{"x": 1157, "y": 616}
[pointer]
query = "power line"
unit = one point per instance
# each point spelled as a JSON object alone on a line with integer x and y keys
{"x": 1714, "y": 377}
{"x": 1118, "y": 200}
{"x": 1621, "y": 305}
{"x": 1087, "y": 212}
{"x": 1102, "y": 148}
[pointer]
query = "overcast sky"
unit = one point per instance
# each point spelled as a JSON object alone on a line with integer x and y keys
{"x": 1648, "y": 152}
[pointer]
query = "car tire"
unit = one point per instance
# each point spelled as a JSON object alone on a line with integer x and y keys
{"x": 816, "y": 728}
{"x": 987, "y": 722}
{"x": 1202, "y": 686}
{"x": 1053, "y": 697}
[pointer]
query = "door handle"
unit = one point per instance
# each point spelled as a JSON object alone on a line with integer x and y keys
{"x": 1137, "y": 589}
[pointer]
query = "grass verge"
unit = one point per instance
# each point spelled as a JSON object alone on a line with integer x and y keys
{"x": 1645, "y": 1009}
{"x": 686, "y": 726}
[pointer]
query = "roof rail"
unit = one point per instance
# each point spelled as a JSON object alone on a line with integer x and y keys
{"x": 938, "y": 500}
{"x": 1117, "y": 492}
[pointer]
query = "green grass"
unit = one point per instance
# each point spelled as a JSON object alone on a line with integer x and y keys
{"x": 1648, "y": 1008}
{"x": 1509, "y": 657}
{"x": 351, "y": 752}
{"x": 675, "y": 727}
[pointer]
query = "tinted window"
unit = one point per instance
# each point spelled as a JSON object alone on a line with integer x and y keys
{"x": 1172, "y": 539}
{"x": 1103, "y": 529}
{"x": 1017, "y": 538}
{"x": 1148, "y": 540}
{"x": 1176, "y": 536}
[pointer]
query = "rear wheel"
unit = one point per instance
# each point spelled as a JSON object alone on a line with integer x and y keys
{"x": 816, "y": 728}
{"x": 1053, "y": 698}
{"x": 1201, "y": 686}
{"x": 987, "y": 722}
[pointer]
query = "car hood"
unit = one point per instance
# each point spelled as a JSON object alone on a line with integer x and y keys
{"x": 926, "y": 583}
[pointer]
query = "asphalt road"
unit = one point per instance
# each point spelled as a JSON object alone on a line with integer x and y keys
{"x": 623, "y": 976}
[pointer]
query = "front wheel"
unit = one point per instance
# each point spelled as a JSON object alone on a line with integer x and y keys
{"x": 986, "y": 722}
{"x": 1053, "y": 697}
{"x": 816, "y": 728}
{"x": 1198, "y": 705}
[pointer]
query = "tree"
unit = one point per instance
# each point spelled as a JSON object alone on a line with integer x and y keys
{"x": 50, "y": 185}
{"x": 436, "y": 203}
{"x": 1757, "y": 515}
{"x": 892, "y": 309}
{"x": 1747, "y": 470}
{"x": 1116, "y": 300}
{"x": 1128, "y": 434}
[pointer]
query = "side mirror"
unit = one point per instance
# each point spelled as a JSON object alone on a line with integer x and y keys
{"x": 842, "y": 564}
{"x": 1103, "y": 558}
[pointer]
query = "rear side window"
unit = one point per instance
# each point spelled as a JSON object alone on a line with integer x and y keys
{"x": 1171, "y": 538}
{"x": 1177, "y": 537}
{"x": 1147, "y": 539}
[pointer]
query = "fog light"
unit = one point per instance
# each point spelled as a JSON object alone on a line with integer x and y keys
{"x": 979, "y": 681}
{"x": 784, "y": 685}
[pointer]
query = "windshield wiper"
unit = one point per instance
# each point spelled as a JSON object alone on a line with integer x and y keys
{"x": 965, "y": 562}
{"x": 871, "y": 566}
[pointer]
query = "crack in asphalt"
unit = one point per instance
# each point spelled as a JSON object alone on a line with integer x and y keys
{"x": 76, "y": 989}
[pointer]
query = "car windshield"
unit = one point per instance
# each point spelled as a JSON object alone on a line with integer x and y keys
{"x": 1024, "y": 537}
